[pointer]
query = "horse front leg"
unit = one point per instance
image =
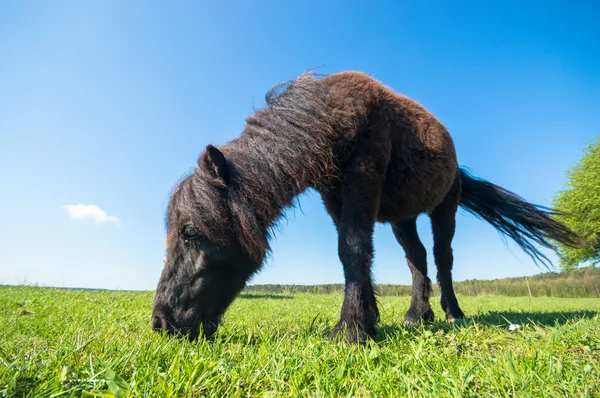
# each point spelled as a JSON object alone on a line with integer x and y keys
{"x": 333, "y": 204}
{"x": 359, "y": 311}
{"x": 359, "y": 204}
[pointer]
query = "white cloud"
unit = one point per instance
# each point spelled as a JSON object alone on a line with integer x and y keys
{"x": 90, "y": 212}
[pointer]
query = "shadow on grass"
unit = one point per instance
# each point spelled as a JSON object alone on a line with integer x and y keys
{"x": 492, "y": 318}
{"x": 265, "y": 296}
{"x": 501, "y": 318}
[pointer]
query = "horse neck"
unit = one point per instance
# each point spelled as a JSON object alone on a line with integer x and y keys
{"x": 271, "y": 171}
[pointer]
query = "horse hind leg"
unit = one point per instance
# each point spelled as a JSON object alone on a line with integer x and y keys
{"x": 416, "y": 257}
{"x": 443, "y": 224}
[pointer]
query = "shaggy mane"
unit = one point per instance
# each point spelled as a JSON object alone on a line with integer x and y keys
{"x": 284, "y": 148}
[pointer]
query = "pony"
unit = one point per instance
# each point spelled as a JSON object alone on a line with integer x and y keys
{"x": 374, "y": 156}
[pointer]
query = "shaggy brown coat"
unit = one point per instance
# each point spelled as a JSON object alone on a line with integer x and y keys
{"x": 374, "y": 156}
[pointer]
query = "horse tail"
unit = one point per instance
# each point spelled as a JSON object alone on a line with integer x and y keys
{"x": 525, "y": 223}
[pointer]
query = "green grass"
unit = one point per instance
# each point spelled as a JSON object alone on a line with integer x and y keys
{"x": 85, "y": 343}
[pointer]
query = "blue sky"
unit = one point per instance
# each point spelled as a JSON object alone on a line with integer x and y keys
{"x": 109, "y": 103}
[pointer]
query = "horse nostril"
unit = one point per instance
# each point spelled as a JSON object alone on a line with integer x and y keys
{"x": 157, "y": 323}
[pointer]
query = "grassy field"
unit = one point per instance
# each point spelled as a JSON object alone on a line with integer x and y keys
{"x": 86, "y": 343}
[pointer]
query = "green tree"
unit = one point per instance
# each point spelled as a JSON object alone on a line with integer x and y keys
{"x": 580, "y": 201}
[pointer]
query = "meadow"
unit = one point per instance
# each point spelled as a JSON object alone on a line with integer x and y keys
{"x": 68, "y": 343}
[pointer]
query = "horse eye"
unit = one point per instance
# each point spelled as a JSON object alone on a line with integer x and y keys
{"x": 189, "y": 232}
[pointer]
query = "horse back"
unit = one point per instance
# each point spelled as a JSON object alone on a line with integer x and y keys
{"x": 419, "y": 151}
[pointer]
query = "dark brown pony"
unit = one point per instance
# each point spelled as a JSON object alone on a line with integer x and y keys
{"x": 374, "y": 156}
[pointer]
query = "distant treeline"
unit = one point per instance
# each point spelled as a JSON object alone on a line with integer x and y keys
{"x": 580, "y": 282}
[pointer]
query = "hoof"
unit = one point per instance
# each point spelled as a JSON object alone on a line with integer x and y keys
{"x": 416, "y": 317}
{"x": 459, "y": 320}
{"x": 455, "y": 316}
{"x": 353, "y": 334}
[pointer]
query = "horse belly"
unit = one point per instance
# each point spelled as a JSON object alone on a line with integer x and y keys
{"x": 414, "y": 188}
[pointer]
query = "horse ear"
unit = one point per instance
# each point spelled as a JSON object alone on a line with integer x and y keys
{"x": 213, "y": 161}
